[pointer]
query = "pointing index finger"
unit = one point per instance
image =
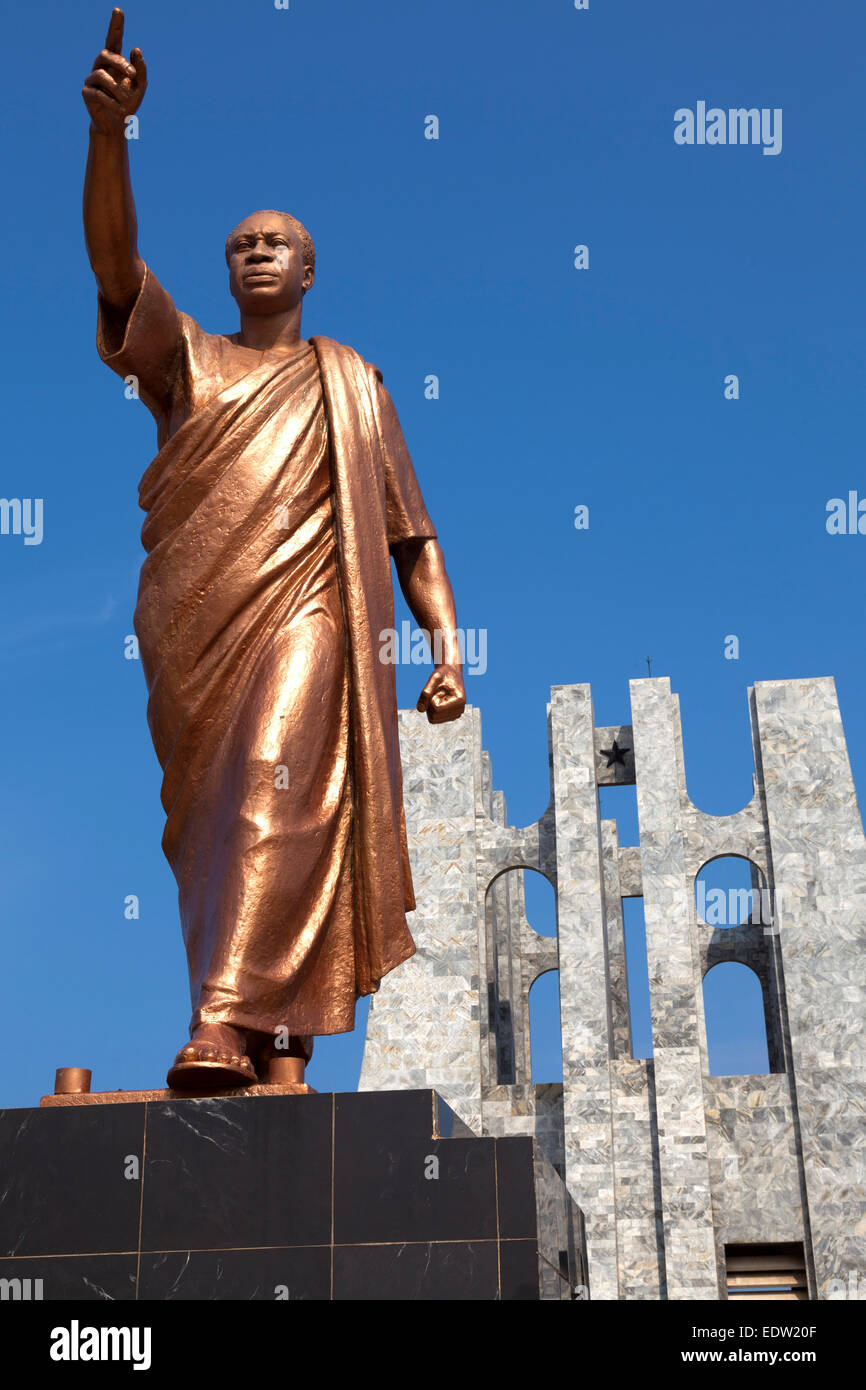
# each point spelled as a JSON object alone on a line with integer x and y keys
{"x": 114, "y": 37}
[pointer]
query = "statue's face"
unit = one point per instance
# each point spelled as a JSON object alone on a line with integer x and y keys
{"x": 267, "y": 274}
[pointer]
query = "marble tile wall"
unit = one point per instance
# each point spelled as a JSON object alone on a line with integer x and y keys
{"x": 666, "y": 1163}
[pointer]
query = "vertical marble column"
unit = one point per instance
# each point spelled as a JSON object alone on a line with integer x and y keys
{"x": 583, "y": 982}
{"x": 424, "y": 1028}
{"x": 675, "y": 996}
{"x": 639, "y": 1227}
{"x": 819, "y": 870}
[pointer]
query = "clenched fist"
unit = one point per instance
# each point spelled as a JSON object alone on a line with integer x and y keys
{"x": 115, "y": 88}
{"x": 443, "y": 697}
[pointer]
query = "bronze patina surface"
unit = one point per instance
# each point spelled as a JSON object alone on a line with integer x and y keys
{"x": 281, "y": 490}
{"x": 204, "y": 1092}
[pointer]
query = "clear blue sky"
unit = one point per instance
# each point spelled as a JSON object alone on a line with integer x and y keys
{"x": 559, "y": 387}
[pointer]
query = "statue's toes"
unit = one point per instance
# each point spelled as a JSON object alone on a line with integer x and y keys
{"x": 193, "y": 1066}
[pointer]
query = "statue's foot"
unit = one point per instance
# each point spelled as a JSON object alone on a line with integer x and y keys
{"x": 214, "y": 1058}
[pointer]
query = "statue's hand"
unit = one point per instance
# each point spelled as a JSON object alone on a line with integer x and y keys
{"x": 444, "y": 696}
{"x": 115, "y": 88}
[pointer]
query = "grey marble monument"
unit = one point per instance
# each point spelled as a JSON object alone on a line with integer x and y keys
{"x": 682, "y": 1177}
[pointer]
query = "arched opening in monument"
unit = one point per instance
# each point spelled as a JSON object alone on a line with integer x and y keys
{"x": 544, "y": 1028}
{"x": 735, "y": 1022}
{"x": 731, "y": 891}
{"x": 520, "y": 926}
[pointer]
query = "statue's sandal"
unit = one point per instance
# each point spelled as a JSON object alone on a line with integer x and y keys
{"x": 204, "y": 1064}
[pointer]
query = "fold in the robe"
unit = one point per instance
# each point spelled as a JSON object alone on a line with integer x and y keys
{"x": 267, "y": 583}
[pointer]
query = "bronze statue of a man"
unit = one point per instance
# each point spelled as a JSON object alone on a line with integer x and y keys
{"x": 281, "y": 486}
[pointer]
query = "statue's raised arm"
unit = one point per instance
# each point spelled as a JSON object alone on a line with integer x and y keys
{"x": 112, "y": 92}
{"x": 265, "y": 617}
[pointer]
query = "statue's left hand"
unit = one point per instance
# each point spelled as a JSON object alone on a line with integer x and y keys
{"x": 444, "y": 696}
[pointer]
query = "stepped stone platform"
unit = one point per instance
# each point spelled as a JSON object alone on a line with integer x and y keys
{"x": 273, "y": 1196}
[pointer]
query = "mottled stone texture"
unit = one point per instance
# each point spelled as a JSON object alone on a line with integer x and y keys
{"x": 819, "y": 875}
{"x": 675, "y": 998}
{"x": 667, "y": 1164}
{"x": 424, "y": 1022}
{"x": 585, "y": 1010}
{"x": 750, "y": 1124}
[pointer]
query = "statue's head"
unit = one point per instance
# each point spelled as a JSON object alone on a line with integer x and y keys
{"x": 272, "y": 262}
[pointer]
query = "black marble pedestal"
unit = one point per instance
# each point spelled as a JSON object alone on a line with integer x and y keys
{"x": 375, "y": 1195}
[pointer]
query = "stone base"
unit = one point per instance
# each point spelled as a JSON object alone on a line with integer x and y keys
{"x": 267, "y": 1195}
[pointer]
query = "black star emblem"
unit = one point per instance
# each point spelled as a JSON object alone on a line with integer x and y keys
{"x": 614, "y": 754}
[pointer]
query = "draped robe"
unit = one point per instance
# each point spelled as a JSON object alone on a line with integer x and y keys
{"x": 279, "y": 486}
